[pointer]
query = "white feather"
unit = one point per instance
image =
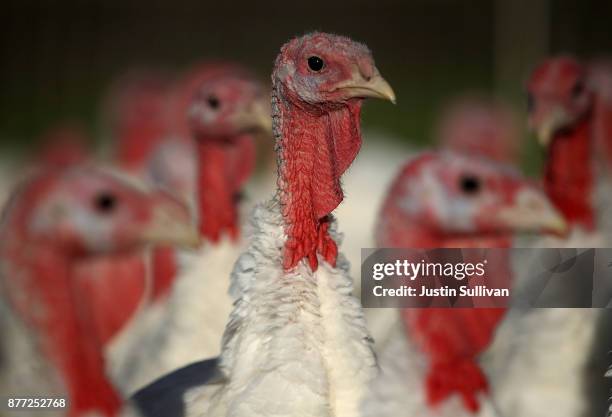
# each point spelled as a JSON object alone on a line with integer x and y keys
{"x": 296, "y": 343}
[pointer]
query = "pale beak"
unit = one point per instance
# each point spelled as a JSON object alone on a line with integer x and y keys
{"x": 554, "y": 121}
{"x": 533, "y": 212}
{"x": 171, "y": 226}
{"x": 256, "y": 117}
{"x": 375, "y": 87}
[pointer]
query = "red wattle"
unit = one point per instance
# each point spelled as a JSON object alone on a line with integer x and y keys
{"x": 450, "y": 338}
{"x": 453, "y": 339}
{"x": 224, "y": 166}
{"x": 461, "y": 376}
{"x": 65, "y": 331}
{"x": 112, "y": 288}
{"x": 316, "y": 149}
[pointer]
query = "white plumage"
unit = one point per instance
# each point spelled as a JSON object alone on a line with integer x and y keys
{"x": 296, "y": 343}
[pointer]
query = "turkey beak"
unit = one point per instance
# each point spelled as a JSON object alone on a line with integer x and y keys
{"x": 533, "y": 212}
{"x": 171, "y": 225}
{"x": 554, "y": 121}
{"x": 255, "y": 117}
{"x": 359, "y": 86}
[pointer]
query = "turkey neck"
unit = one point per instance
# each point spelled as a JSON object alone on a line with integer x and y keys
{"x": 315, "y": 147}
{"x": 66, "y": 334}
{"x": 568, "y": 177}
{"x": 223, "y": 166}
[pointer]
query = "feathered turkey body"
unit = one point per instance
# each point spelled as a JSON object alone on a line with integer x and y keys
{"x": 288, "y": 347}
{"x": 54, "y": 225}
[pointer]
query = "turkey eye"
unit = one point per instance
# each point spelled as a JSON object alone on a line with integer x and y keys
{"x": 469, "y": 184}
{"x": 578, "y": 89}
{"x": 105, "y": 202}
{"x": 530, "y": 103}
{"x": 315, "y": 63}
{"x": 213, "y": 102}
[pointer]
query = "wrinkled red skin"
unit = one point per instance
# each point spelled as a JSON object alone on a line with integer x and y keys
{"x": 315, "y": 150}
{"x": 318, "y": 134}
{"x": 568, "y": 174}
{"x": 452, "y": 339}
{"x": 224, "y": 167}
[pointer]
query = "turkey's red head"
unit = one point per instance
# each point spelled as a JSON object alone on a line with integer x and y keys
{"x": 321, "y": 71}
{"x": 444, "y": 199}
{"x": 228, "y": 105}
{"x": 559, "y": 96}
{"x": 480, "y": 126}
{"x": 220, "y": 106}
{"x": 220, "y": 101}
{"x": 86, "y": 210}
{"x": 319, "y": 83}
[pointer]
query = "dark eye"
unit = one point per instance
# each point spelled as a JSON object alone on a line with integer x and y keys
{"x": 530, "y": 103}
{"x": 105, "y": 202}
{"x": 315, "y": 63}
{"x": 578, "y": 89}
{"x": 213, "y": 102}
{"x": 469, "y": 184}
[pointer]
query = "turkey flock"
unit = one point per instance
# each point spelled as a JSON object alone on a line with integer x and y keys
{"x": 206, "y": 262}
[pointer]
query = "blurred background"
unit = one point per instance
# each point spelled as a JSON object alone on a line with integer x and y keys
{"x": 59, "y": 57}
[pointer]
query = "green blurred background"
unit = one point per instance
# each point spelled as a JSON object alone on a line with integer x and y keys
{"x": 58, "y": 57}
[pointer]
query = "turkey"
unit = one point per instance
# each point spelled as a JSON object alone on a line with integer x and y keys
{"x": 296, "y": 342}
{"x": 126, "y": 289}
{"x": 57, "y": 221}
{"x": 560, "y": 349}
{"x": 429, "y": 364}
{"x": 471, "y": 125}
{"x": 218, "y": 107}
